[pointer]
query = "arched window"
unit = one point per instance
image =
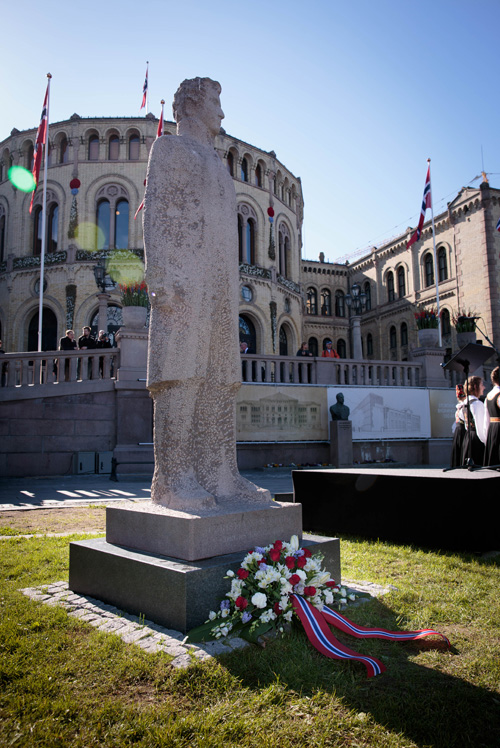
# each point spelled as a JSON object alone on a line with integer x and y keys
{"x": 390, "y": 286}
{"x": 404, "y": 334}
{"x": 247, "y": 234}
{"x": 339, "y": 304}
{"x": 247, "y": 333}
{"x": 442, "y": 264}
{"x": 49, "y": 331}
{"x": 393, "y": 340}
{"x": 230, "y": 163}
{"x": 258, "y": 176}
{"x": 283, "y": 249}
{"x": 341, "y": 348}
{"x": 401, "y": 283}
{"x": 2, "y": 235}
{"x": 283, "y": 341}
{"x": 30, "y": 152}
{"x": 93, "y": 148}
{"x": 37, "y": 230}
{"x": 367, "y": 289}
{"x": 445, "y": 322}
{"x": 113, "y": 148}
{"x": 133, "y": 147}
{"x": 312, "y": 301}
{"x": 369, "y": 344}
{"x": 429, "y": 269}
{"x": 121, "y": 224}
{"x": 326, "y": 303}
{"x": 63, "y": 151}
{"x": 103, "y": 224}
{"x": 52, "y": 228}
{"x": 313, "y": 346}
{"x": 244, "y": 170}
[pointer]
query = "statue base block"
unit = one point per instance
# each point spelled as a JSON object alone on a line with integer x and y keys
{"x": 190, "y": 537}
{"x": 171, "y": 592}
{"x": 341, "y": 443}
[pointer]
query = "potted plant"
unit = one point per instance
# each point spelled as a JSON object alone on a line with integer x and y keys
{"x": 427, "y": 326}
{"x": 135, "y": 303}
{"x": 465, "y": 326}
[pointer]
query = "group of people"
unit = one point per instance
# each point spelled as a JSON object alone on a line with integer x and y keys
{"x": 328, "y": 352}
{"x": 477, "y": 436}
{"x": 85, "y": 342}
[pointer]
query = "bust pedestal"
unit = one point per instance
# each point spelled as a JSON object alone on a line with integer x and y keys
{"x": 341, "y": 443}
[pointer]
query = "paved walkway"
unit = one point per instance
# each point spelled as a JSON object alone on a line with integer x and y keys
{"x": 148, "y": 635}
{"x": 81, "y": 490}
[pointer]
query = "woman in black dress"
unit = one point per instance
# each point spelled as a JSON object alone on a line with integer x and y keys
{"x": 475, "y": 433}
{"x": 459, "y": 429}
{"x": 492, "y": 421}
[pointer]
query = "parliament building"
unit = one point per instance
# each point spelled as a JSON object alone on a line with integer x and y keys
{"x": 95, "y": 184}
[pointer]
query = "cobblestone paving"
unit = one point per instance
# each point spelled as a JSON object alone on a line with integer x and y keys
{"x": 148, "y": 635}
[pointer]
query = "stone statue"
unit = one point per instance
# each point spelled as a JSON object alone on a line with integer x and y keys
{"x": 194, "y": 367}
{"x": 339, "y": 411}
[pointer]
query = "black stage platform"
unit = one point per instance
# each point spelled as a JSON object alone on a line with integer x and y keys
{"x": 427, "y": 507}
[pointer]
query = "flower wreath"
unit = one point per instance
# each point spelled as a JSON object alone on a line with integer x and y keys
{"x": 280, "y": 581}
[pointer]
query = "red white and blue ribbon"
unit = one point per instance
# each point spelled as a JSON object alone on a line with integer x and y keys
{"x": 317, "y": 631}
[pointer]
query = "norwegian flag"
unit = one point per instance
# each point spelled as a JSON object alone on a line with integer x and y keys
{"x": 498, "y": 225}
{"x": 159, "y": 133}
{"x": 145, "y": 90}
{"x": 426, "y": 203}
{"x": 41, "y": 140}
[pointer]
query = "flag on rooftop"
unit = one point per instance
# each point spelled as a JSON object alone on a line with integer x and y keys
{"x": 41, "y": 140}
{"x": 159, "y": 133}
{"x": 145, "y": 89}
{"x": 426, "y": 203}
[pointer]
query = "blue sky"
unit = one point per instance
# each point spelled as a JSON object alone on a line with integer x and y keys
{"x": 353, "y": 97}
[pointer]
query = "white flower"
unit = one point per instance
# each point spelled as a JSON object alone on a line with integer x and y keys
{"x": 294, "y": 543}
{"x": 259, "y": 600}
{"x": 352, "y": 597}
{"x": 284, "y": 602}
{"x": 343, "y": 591}
{"x": 317, "y": 602}
{"x": 301, "y": 573}
{"x": 212, "y": 615}
{"x": 288, "y": 615}
{"x": 319, "y": 579}
{"x": 299, "y": 588}
{"x": 224, "y": 613}
{"x": 230, "y": 573}
{"x": 327, "y": 594}
{"x": 268, "y": 615}
{"x": 313, "y": 564}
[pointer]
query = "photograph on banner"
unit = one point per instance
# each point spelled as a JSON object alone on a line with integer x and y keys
{"x": 442, "y": 409}
{"x": 271, "y": 413}
{"x": 383, "y": 412}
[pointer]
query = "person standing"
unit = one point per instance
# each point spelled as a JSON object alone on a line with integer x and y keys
{"x": 475, "y": 433}
{"x": 304, "y": 350}
{"x": 458, "y": 429}
{"x": 86, "y": 342}
{"x": 492, "y": 421}
{"x": 67, "y": 343}
{"x": 329, "y": 351}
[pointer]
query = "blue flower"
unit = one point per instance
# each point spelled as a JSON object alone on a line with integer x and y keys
{"x": 225, "y": 605}
{"x": 260, "y": 550}
{"x": 245, "y": 617}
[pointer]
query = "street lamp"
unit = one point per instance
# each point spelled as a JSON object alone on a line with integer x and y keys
{"x": 100, "y": 276}
{"x": 356, "y": 301}
{"x": 100, "y": 279}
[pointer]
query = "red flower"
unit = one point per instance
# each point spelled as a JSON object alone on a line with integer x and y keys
{"x": 242, "y": 573}
{"x": 241, "y": 602}
{"x": 278, "y": 545}
{"x": 262, "y": 561}
{"x": 274, "y": 555}
{"x": 307, "y": 552}
{"x": 294, "y": 579}
{"x": 289, "y": 562}
{"x": 301, "y": 562}
{"x": 331, "y": 583}
{"x": 277, "y": 609}
{"x": 309, "y": 591}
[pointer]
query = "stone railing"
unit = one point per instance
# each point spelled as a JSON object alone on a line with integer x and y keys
{"x": 35, "y": 369}
{"x": 297, "y": 370}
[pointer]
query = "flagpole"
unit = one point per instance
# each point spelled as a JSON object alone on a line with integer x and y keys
{"x": 44, "y": 221}
{"x": 147, "y": 89}
{"x": 436, "y": 277}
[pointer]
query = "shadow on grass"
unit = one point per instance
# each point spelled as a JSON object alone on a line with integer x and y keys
{"x": 418, "y": 700}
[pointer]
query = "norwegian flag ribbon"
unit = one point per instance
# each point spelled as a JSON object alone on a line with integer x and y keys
{"x": 145, "y": 90}
{"x": 426, "y": 203}
{"x": 41, "y": 139}
{"x": 320, "y": 636}
{"x": 498, "y": 225}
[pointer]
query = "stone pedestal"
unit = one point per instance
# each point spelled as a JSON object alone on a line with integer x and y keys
{"x": 133, "y": 345}
{"x": 341, "y": 443}
{"x": 174, "y": 593}
{"x": 431, "y": 359}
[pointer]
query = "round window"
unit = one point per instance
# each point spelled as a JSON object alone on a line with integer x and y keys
{"x": 246, "y": 293}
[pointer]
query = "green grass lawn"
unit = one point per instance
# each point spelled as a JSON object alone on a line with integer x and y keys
{"x": 62, "y": 683}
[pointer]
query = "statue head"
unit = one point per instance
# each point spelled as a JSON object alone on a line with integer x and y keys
{"x": 199, "y": 99}
{"x": 340, "y": 398}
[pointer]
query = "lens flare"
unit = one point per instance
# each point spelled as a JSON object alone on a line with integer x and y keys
{"x": 89, "y": 237}
{"x": 125, "y": 267}
{"x": 21, "y": 178}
